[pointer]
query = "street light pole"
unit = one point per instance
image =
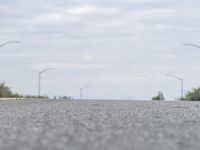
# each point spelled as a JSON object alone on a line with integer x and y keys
{"x": 81, "y": 90}
{"x": 39, "y": 79}
{"x": 181, "y": 80}
{"x": 9, "y": 42}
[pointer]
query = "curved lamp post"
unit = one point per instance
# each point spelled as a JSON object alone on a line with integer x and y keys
{"x": 83, "y": 88}
{"x": 39, "y": 78}
{"x": 9, "y": 42}
{"x": 181, "y": 80}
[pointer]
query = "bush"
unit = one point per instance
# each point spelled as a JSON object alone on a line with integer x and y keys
{"x": 159, "y": 97}
{"x": 7, "y": 93}
{"x": 193, "y": 95}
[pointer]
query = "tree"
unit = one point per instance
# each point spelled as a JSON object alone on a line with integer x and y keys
{"x": 193, "y": 95}
{"x": 35, "y": 97}
{"x": 5, "y": 91}
{"x": 159, "y": 97}
{"x": 65, "y": 98}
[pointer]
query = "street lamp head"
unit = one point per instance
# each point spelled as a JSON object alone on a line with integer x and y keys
{"x": 84, "y": 87}
{"x": 191, "y": 44}
{"x": 47, "y": 69}
{"x": 186, "y": 44}
{"x": 9, "y": 42}
{"x": 175, "y": 76}
{"x": 16, "y": 41}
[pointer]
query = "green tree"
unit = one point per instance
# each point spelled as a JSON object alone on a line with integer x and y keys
{"x": 193, "y": 95}
{"x": 156, "y": 98}
{"x": 5, "y": 91}
{"x": 159, "y": 97}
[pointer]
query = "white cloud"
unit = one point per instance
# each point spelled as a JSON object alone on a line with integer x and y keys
{"x": 82, "y": 10}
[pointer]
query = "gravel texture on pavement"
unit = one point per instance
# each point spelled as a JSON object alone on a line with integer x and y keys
{"x": 99, "y": 125}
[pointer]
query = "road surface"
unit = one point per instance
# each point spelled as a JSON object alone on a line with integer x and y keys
{"x": 99, "y": 125}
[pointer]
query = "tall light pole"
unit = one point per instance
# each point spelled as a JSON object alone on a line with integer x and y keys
{"x": 181, "y": 80}
{"x": 9, "y": 42}
{"x": 83, "y": 88}
{"x": 39, "y": 79}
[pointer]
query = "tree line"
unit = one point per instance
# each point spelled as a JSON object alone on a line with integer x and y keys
{"x": 6, "y": 92}
{"x": 193, "y": 95}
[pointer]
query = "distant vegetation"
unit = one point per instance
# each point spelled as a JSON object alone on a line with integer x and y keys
{"x": 193, "y": 95}
{"x": 5, "y": 92}
{"x": 159, "y": 97}
{"x": 62, "y": 98}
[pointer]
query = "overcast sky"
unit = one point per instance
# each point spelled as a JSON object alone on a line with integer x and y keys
{"x": 123, "y": 48}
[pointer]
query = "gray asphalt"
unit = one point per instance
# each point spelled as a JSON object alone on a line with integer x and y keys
{"x": 99, "y": 125}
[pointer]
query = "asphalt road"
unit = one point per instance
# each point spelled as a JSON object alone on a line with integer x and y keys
{"x": 99, "y": 125}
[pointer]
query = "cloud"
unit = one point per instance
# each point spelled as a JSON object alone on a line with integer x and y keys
{"x": 82, "y": 10}
{"x": 112, "y": 42}
{"x": 62, "y": 65}
{"x": 169, "y": 56}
